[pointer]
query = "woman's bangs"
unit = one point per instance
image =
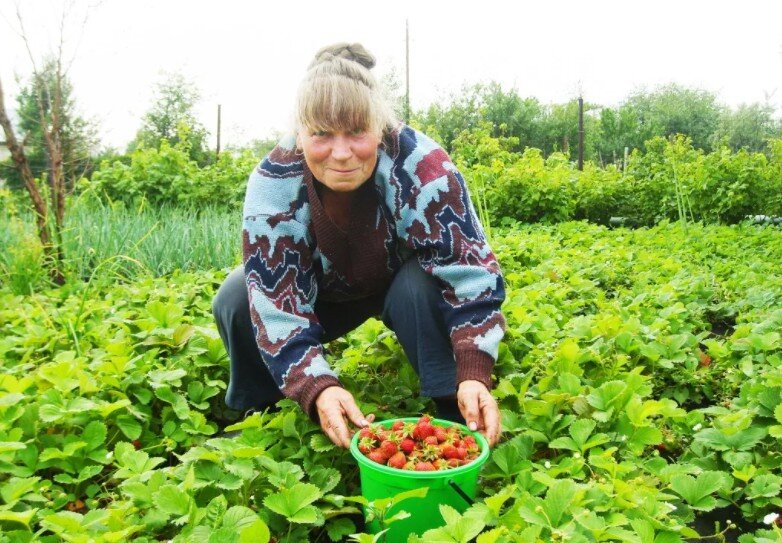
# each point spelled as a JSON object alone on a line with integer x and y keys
{"x": 341, "y": 106}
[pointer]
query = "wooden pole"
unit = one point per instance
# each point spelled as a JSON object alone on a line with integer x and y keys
{"x": 580, "y": 133}
{"x": 407, "y": 73}
{"x": 217, "y": 154}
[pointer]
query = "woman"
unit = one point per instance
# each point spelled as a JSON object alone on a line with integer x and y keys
{"x": 355, "y": 216}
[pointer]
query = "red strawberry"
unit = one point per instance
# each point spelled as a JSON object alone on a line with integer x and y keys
{"x": 377, "y": 456}
{"x": 398, "y": 425}
{"x": 423, "y": 430}
{"x": 461, "y": 453}
{"x": 441, "y": 434}
{"x": 365, "y": 445}
{"x": 398, "y": 461}
{"x": 431, "y": 440}
{"x": 469, "y": 441}
{"x": 137, "y": 444}
{"x": 389, "y": 448}
{"x": 424, "y": 466}
{"x": 454, "y": 462}
{"x": 448, "y": 451}
{"x": 407, "y": 445}
{"x": 366, "y": 433}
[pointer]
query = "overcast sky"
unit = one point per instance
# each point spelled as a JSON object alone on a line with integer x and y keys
{"x": 250, "y": 55}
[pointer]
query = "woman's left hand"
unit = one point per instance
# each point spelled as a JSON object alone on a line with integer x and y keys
{"x": 479, "y": 409}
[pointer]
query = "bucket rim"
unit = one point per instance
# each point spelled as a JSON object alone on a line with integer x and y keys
{"x": 475, "y": 465}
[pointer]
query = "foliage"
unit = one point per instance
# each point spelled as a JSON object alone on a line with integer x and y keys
{"x": 168, "y": 175}
{"x": 639, "y": 383}
{"x": 78, "y": 137}
{"x": 670, "y": 181}
{"x": 171, "y": 118}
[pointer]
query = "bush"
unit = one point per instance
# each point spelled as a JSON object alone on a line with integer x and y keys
{"x": 167, "y": 175}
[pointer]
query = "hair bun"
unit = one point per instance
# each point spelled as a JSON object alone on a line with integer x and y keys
{"x": 348, "y": 51}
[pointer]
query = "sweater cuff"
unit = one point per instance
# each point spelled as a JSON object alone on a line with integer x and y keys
{"x": 474, "y": 365}
{"x": 310, "y": 392}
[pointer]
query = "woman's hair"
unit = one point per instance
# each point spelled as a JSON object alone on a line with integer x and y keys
{"x": 339, "y": 93}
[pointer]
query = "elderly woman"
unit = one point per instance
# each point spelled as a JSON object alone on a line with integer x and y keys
{"x": 356, "y": 216}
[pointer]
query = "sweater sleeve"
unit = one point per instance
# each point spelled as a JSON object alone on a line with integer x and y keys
{"x": 282, "y": 288}
{"x": 441, "y": 227}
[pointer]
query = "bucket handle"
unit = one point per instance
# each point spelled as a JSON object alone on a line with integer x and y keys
{"x": 460, "y": 492}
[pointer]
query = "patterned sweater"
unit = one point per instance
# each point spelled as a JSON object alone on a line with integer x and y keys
{"x": 425, "y": 211}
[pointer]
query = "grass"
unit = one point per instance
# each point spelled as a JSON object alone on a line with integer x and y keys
{"x": 112, "y": 242}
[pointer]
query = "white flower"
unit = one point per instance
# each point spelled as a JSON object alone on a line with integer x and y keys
{"x": 697, "y": 427}
{"x": 771, "y": 518}
{"x": 547, "y": 464}
{"x": 624, "y": 438}
{"x": 670, "y": 506}
{"x": 576, "y": 455}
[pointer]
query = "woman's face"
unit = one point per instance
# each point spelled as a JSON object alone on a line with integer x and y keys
{"x": 340, "y": 160}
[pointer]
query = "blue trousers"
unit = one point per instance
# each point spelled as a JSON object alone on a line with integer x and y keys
{"x": 411, "y": 307}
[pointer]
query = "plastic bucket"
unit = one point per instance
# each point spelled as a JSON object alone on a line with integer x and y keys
{"x": 455, "y": 487}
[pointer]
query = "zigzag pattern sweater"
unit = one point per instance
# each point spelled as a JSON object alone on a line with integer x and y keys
{"x": 424, "y": 212}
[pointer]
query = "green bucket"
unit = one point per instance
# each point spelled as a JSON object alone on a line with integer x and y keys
{"x": 455, "y": 487}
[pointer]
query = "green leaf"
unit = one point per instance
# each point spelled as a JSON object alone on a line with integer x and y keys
{"x": 289, "y": 501}
{"x": 697, "y": 491}
{"x": 560, "y": 495}
{"x": 255, "y": 532}
{"x": 23, "y": 518}
{"x": 743, "y": 440}
{"x": 213, "y": 514}
{"x": 238, "y": 516}
{"x": 94, "y": 434}
{"x": 15, "y": 488}
{"x": 321, "y": 443}
{"x": 128, "y": 425}
{"x": 172, "y": 500}
{"x": 764, "y": 486}
{"x": 339, "y": 528}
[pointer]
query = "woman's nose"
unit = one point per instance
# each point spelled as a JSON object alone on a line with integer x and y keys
{"x": 341, "y": 148}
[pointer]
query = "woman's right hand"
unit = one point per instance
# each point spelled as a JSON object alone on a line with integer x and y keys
{"x": 336, "y": 410}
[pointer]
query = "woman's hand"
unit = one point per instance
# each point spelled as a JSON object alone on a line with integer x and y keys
{"x": 336, "y": 407}
{"x": 479, "y": 409}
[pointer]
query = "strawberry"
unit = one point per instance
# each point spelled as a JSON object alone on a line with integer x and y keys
{"x": 137, "y": 444}
{"x": 454, "y": 462}
{"x": 389, "y": 448}
{"x": 366, "y": 433}
{"x": 377, "y": 456}
{"x": 431, "y": 440}
{"x": 365, "y": 445}
{"x": 398, "y": 460}
{"x": 423, "y": 430}
{"x": 407, "y": 445}
{"x": 441, "y": 434}
{"x": 424, "y": 466}
{"x": 448, "y": 451}
{"x": 461, "y": 453}
{"x": 398, "y": 425}
{"x": 469, "y": 441}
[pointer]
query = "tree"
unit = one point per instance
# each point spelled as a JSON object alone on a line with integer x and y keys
{"x": 748, "y": 127}
{"x": 671, "y": 110}
{"x": 78, "y": 136}
{"x": 172, "y": 118}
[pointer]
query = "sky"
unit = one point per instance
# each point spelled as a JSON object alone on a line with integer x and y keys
{"x": 249, "y": 56}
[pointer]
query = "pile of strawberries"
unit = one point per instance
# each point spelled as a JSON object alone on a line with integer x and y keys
{"x": 418, "y": 446}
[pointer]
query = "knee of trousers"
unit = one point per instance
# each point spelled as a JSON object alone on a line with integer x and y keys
{"x": 231, "y": 303}
{"x": 413, "y": 290}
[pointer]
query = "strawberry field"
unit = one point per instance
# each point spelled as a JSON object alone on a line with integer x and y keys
{"x": 640, "y": 383}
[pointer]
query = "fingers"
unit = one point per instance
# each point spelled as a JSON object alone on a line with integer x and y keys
{"x": 491, "y": 419}
{"x": 336, "y": 407}
{"x": 333, "y": 424}
{"x": 354, "y": 413}
{"x": 479, "y": 409}
{"x": 470, "y": 408}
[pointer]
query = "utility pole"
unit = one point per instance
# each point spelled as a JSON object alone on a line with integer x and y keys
{"x": 407, "y": 73}
{"x": 217, "y": 154}
{"x": 580, "y": 133}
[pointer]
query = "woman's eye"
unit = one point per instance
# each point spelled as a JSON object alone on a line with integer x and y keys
{"x": 320, "y": 133}
{"x": 357, "y": 132}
